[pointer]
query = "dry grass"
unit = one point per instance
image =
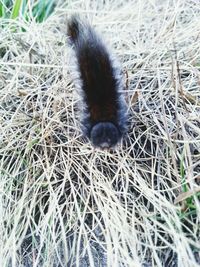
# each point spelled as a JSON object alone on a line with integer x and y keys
{"x": 64, "y": 203}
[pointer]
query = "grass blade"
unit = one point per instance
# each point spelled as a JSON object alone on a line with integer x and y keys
{"x": 50, "y": 8}
{"x": 16, "y": 8}
{"x": 1, "y": 10}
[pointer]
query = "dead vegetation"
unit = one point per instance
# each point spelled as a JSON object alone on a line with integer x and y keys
{"x": 64, "y": 203}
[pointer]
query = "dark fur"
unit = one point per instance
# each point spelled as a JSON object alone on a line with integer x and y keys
{"x": 100, "y": 82}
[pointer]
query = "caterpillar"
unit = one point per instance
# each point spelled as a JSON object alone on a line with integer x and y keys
{"x": 100, "y": 82}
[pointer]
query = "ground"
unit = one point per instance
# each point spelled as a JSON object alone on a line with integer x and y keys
{"x": 64, "y": 203}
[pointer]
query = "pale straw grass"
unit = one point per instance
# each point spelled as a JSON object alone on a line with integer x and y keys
{"x": 64, "y": 203}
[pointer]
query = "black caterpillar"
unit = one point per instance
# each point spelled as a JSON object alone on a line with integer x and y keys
{"x": 104, "y": 113}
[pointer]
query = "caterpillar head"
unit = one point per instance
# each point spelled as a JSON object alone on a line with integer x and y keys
{"x": 104, "y": 135}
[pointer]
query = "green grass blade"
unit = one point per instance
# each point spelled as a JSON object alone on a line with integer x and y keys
{"x": 16, "y": 8}
{"x": 182, "y": 172}
{"x": 41, "y": 10}
{"x": 50, "y": 8}
{"x": 23, "y": 7}
{"x": 1, "y": 10}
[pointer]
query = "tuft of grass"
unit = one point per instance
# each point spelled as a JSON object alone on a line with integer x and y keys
{"x": 40, "y": 9}
{"x": 43, "y": 9}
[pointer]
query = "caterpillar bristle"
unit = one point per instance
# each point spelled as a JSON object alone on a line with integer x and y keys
{"x": 73, "y": 27}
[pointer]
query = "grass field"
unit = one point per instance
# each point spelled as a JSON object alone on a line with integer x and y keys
{"x": 63, "y": 203}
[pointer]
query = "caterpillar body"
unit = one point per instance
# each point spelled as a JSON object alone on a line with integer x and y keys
{"x": 104, "y": 118}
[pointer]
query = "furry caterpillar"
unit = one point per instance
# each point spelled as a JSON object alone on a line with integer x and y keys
{"x": 104, "y": 118}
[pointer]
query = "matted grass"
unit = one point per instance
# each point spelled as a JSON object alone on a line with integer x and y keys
{"x": 64, "y": 203}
